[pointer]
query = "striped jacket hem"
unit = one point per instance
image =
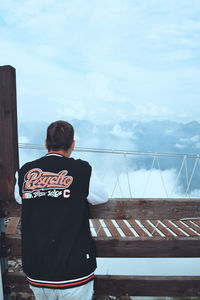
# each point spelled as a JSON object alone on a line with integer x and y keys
{"x": 60, "y": 284}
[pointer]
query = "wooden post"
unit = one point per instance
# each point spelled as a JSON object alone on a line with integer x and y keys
{"x": 9, "y": 160}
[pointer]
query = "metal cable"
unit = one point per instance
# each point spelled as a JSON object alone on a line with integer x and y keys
{"x": 162, "y": 179}
{"x": 110, "y": 151}
{"x": 194, "y": 168}
{"x": 178, "y": 176}
{"x": 147, "y": 181}
{"x": 127, "y": 173}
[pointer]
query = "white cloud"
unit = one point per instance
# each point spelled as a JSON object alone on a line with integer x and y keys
{"x": 169, "y": 132}
{"x": 143, "y": 183}
{"x": 180, "y": 146}
{"x": 184, "y": 140}
{"x": 69, "y": 109}
{"x": 138, "y": 60}
{"x": 153, "y": 111}
{"x": 192, "y": 139}
{"x": 23, "y": 139}
{"x": 195, "y": 138}
{"x": 118, "y": 132}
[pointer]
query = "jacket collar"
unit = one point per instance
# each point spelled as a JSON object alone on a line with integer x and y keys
{"x": 54, "y": 153}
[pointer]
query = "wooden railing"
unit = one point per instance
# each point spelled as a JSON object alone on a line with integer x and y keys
{"x": 131, "y": 246}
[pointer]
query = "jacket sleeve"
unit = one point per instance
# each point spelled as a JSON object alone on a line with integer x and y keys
{"x": 97, "y": 193}
{"x": 17, "y": 195}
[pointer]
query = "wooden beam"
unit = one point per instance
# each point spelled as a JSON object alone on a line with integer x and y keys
{"x": 127, "y": 208}
{"x": 148, "y": 247}
{"x": 11, "y": 227}
{"x": 17, "y": 282}
{"x": 168, "y": 286}
{"x": 148, "y": 209}
{"x": 11, "y": 208}
{"x": 132, "y": 246}
{"x": 8, "y": 132}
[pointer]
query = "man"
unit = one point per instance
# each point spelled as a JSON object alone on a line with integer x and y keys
{"x": 58, "y": 254}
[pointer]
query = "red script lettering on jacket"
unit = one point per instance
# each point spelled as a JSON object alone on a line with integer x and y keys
{"x": 36, "y": 179}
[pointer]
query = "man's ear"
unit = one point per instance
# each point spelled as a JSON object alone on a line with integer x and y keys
{"x": 73, "y": 145}
{"x": 45, "y": 143}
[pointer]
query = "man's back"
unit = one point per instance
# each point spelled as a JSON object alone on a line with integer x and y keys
{"x": 56, "y": 241}
{"x": 58, "y": 254}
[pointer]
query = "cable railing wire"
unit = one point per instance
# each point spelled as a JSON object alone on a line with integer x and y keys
{"x": 111, "y": 151}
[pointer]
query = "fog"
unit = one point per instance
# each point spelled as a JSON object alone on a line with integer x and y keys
{"x": 154, "y": 137}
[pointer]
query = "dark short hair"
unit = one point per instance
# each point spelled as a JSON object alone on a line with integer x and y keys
{"x": 60, "y": 135}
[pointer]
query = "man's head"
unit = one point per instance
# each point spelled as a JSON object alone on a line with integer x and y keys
{"x": 60, "y": 136}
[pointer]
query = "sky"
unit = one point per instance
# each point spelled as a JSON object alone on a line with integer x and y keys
{"x": 103, "y": 60}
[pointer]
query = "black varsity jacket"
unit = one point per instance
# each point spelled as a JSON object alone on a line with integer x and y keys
{"x": 57, "y": 248}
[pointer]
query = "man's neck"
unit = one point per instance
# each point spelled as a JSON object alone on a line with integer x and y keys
{"x": 62, "y": 152}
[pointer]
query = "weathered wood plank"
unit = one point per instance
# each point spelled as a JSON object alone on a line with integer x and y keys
{"x": 12, "y": 225}
{"x": 113, "y": 230}
{"x": 161, "y": 227}
{"x": 98, "y": 228}
{"x": 133, "y": 246}
{"x": 129, "y": 285}
{"x": 150, "y": 228}
{"x": 185, "y": 228}
{"x": 137, "y": 228}
{"x": 173, "y": 228}
{"x": 148, "y": 247}
{"x": 194, "y": 226}
{"x": 8, "y": 132}
{"x": 124, "y": 228}
{"x": 11, "y": 208}
{"x": 197, "y": 222}
{"x": 147, "y": 285}
{"x": 127, "y": 208}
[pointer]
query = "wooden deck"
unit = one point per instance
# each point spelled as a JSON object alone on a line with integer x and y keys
{"x": 131, "y": 228}
{"x": 131, "y": 238}
{"x": 144, "y": 228}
